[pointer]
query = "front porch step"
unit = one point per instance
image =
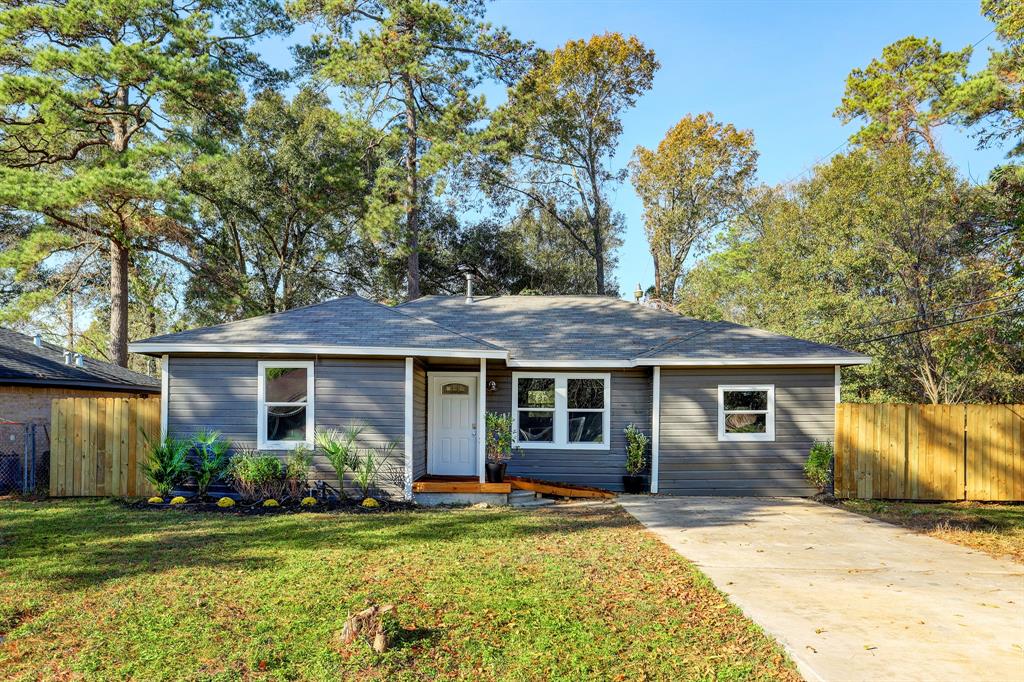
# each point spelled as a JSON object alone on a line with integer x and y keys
{"x": 525, "y": 498}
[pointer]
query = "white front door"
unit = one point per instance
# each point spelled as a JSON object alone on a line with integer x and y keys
{"x": 452, "y": 425}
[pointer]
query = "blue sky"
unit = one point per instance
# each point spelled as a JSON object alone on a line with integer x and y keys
{"x": 777, "y": 68}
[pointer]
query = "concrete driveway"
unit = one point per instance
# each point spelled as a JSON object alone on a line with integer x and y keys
{"x": 849, "y": 597}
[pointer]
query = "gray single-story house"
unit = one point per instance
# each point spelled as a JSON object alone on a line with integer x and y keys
{"x": 730, "y": 410}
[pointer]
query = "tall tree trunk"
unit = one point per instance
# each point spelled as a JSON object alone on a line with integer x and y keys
{"x": 657, "y": 273}
{"x": 118, "y": 303}
{"x": 412, "y": 237}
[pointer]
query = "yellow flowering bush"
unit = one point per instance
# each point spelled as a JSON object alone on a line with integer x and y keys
{"x": 225, "y": 502}
{"x": 179, "y": 500}
{"x": 271, "y": 503}
{"x": 156, "y": 500}
{"x": 308, "y": 502}
{"x": 370, "y": 503}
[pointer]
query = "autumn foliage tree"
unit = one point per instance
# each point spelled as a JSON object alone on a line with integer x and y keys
{"x": 694, "y": 183}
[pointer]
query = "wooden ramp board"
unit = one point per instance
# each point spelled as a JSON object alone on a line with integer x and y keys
{"x": 555, "y": 488}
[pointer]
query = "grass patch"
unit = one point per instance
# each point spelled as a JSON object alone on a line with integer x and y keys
{"x": 996, "y": 529}
{"x": 90, "y": 589}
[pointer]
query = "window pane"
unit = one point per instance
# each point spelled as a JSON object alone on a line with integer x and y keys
{"x": 746, "y": 423}
{"x": 745, "y": 400}
{"x": 286, "y": 422}
{"x": 455, "y": 389}
{"x": 585, "y": 393}
{"x": 536, "y": 426}
{"x": 586, "y": 427}
{"x": 286, "y": 384}
{"x": 536, "y": 393}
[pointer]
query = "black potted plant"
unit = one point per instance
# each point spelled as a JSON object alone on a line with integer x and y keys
{"x": 499, "y": 445}
{"x": 636, "y": 460}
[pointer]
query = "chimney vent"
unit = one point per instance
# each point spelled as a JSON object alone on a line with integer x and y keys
{"x": 68, "y": 355}
{"x": 468, "y": 272}
{"x": 37, "y": 340}
{"x": 79, "y": 360}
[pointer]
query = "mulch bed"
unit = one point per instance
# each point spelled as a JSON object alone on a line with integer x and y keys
{"x": 345, "y": 506}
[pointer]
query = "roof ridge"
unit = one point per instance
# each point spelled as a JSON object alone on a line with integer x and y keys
{"x": 395, "y": 309}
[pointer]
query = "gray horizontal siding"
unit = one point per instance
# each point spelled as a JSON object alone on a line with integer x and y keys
{"x": 693, "y": 462}
{"x": 221, "y": 394}
{"x": 630, "y": 403}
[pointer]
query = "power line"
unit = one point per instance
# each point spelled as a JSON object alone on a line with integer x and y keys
{"x": 883, "y": 323}
{"x": 939, "y": 326}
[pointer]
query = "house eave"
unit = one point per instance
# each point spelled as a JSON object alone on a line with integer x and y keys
{"x": 301, "y": 349}
{"x": 688, "y": 362}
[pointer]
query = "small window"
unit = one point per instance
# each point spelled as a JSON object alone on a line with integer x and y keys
{"x": 746, "y": 413}
{"x": 455, "y": 389}
{"x": 562, "y": 410}
{"x": 285, "y": 405}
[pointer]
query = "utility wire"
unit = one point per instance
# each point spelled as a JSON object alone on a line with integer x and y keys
{"x": 939, "y": 326}
{"x": 883, "y": 323}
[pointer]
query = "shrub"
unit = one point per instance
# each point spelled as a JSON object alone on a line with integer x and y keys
{"x": 166, "y": 464}
{"x": 297, "y": 470}
{"x": 178, "y": 500}
{"x": 636, "y": 449}
{"x": 818, "y": 466}
{"x": 225, "y": 502}
{"x": 367, "y": 466}
{"x": 257, "y": 476}
{"x": 271, "y": 503}
{"x": 156, "y": 500}
{"x": 499, "y": 436}
{"x": 339, "y": 447}
{"x": 308, "y": 502}
{"x": 210, "y": 461}
{"x": 370, "y": 503}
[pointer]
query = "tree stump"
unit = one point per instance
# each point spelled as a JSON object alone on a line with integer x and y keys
{"x": 368, "y": 624}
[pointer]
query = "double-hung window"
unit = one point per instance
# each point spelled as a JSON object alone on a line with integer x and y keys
{"x": 746, "y": 413}
{"x": 555, "y": 410}
{"x": 285, "y": 418}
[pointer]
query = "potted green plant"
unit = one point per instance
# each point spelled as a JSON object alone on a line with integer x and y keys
{"x": 634, "y": 482}
{"x": 499, "y": 445}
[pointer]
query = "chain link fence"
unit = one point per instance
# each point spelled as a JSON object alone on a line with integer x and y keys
{"x": 24, "y": 458}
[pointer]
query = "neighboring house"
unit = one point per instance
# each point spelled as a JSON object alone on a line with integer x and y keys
{"x": 34, "y": 372}
{"x": 731, "y": 410}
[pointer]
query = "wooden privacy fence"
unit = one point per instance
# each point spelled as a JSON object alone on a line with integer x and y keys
{"x": 930, "y": 452}
{"x": 98, "y": 444}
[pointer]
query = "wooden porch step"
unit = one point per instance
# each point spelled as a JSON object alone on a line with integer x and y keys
{"x": 428, "y": 486}
{"x": 560, "y": 489}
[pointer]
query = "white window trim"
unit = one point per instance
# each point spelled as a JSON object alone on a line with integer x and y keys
{"x": 261, "y": 406}
{"x": 561, "y": 411}
{"x": 768, "y": 435}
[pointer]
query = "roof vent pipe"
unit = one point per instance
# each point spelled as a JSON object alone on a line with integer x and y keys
{"x": 37, "y": 340}
{"x": 67, "y": 357}
{"x": 468, "y": 272}
{"x": 79, "y": 360}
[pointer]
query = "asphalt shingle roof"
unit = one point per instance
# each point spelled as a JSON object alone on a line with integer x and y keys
{"x": 548, "y": 328}
{"x": 604, "y": 328}
{"x": 350, "y": 321}
{"x": 21, "y": 361}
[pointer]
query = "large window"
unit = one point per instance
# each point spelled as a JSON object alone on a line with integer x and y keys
{"x": 561, "y": 410}
{"x": 746, "y": 413}
{"x": 285, "y": 405}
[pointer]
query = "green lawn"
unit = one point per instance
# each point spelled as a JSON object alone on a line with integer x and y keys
{"x": 89, "y": 589}
{"x": 996, "y": 529}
